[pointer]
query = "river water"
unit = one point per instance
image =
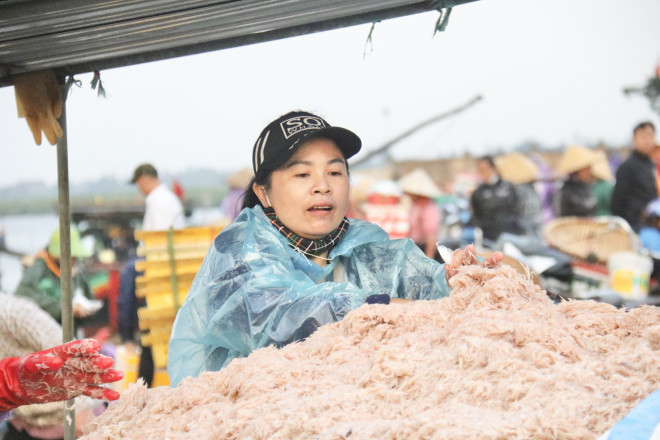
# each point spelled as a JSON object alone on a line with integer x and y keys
{"x": 26, "y": 234}
{"x": 29, "y": 233}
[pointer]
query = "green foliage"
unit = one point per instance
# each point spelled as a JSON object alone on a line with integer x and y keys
{"x": 650, "y": 91}
{"x": 199, "y": 197}
{"x": 204, "y": 188}
{"x": 37, "y": 205}
{"x": 206, "y": 197}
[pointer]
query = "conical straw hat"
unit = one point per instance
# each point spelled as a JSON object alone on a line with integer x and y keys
{"x": 576, "y": 158}
{"x": 240, "y": 179}
{"x": 419, "y": 183}
{"x": 360, "y": 185}
{"x": 601, "y": 169}
{"x": 516, "y": 168}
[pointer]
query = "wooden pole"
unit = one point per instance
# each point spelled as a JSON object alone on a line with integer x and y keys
{"x": 65, "y": 258}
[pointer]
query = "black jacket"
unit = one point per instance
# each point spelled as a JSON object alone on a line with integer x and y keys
{"x": 496, "y": 209}
{"x": 576, "y": 198}
{"x": 635, "y": 187}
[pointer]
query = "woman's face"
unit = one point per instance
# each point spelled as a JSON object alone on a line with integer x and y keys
{"x": 310, "y": 193}
{"x": 585, "y": 174}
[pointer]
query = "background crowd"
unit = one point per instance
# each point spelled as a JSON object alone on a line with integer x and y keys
{"x": 517, "y": 194}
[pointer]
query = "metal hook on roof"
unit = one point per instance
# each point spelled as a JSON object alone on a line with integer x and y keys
{"x": 444, "y": 8}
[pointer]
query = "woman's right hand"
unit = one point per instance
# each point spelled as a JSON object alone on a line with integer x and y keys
{"x": 468, "y": 257}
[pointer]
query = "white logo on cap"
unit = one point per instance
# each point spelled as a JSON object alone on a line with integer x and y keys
{"x": 258, "y": 157}
{"x": 301, "y": 123}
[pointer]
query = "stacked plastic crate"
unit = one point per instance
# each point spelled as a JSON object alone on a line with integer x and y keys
{"x": 171, "y": 260}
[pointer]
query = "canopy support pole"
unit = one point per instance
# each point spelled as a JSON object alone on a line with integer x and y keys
{"x": 65, "y": 258}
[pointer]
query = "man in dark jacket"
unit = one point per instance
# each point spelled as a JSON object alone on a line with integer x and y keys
{"x": 635, "y": 183}
{"x": 495, "y": 203}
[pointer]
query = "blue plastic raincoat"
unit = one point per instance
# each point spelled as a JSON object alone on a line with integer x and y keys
{"x": 254, "y": 290}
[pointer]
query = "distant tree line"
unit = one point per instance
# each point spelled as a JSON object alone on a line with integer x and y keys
{"x": 203, "y": 188}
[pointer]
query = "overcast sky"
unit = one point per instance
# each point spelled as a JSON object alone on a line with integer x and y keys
{"x": 549, "y": 71}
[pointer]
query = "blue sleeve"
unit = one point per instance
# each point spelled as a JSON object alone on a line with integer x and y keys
{"x": 239, "y": 304}
{"x": 421, "y": 278}
{"x": 398, "y": 268}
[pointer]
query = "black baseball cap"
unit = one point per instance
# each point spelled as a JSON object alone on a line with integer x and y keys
{"x": 282, "y": 138}
{"x": 142, "y": 170}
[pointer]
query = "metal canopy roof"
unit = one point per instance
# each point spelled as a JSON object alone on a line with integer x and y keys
{"x": 76, "y": 36}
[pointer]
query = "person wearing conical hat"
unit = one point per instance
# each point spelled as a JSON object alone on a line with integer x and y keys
{"x": 238, "y": 182}
{"x": 495, "y": 204}
{"x": 635, "y": 184}
{"x": 516, "y": 168}
{"x": 424, "y": 214}
{"x": 604, "y": 184}
{"x": 41, "y": 281}
{"x": 576, "y": 197}
{"x": 523, "y": 172}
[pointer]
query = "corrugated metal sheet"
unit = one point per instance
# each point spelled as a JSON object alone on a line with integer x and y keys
{"x": 75, "y": 36}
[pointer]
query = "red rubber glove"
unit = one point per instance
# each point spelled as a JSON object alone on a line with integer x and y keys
{"x": 59, "y": 373}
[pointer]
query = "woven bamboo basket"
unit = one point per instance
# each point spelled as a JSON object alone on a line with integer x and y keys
{"x": 591, "y": 239}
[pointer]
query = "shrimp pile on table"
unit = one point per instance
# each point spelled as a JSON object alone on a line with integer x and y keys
{"x": 497, "y": 359}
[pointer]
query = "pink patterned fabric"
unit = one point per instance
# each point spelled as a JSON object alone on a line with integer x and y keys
{"x": 424, "y": 220}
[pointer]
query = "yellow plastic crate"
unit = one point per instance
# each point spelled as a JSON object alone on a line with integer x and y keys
{"x": 189, "y": 247}
{"x": 157, "y": 338}
{"x": 158, "y": 334}
{"x": 162, "y": 268}
{"x": 164, "y": 299}
{"x": 161, "y": 253}
{"x": 128, "y": 363}
{"x": 187, "y": 236}
{"x": 146, "y": 287}
{"x": 148, "y": 317}
{"x": 156, "y": 331}
{"x": 161, "y": 378}
{"x": 159, "y": 355}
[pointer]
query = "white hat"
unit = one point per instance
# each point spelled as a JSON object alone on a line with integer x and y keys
{"x": 576, "y": 158}
{"x": 385, "y": 187}
{"x": 516, "y": 168}
{"x": 419, "y": 183}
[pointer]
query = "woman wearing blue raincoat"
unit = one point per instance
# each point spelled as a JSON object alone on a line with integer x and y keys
{"x": 292, "y": 261}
